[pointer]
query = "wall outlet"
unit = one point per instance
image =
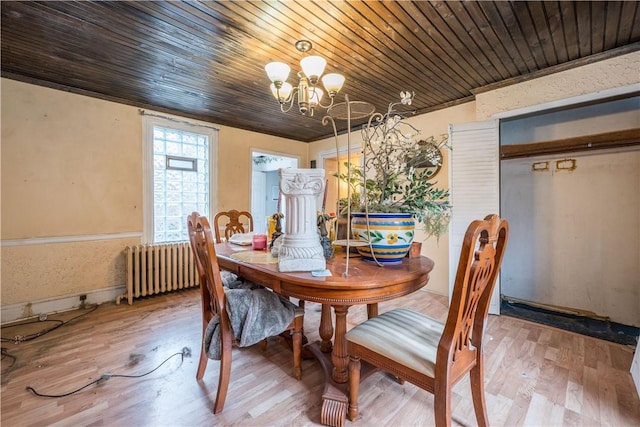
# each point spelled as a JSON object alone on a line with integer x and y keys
{"x": 83, "y": 298}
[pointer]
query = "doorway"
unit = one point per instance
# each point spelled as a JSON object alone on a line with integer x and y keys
{"x": 265, "y": 180}
{"x": 573, "y": 213}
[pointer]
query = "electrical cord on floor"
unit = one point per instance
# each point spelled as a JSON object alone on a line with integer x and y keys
{"x": 5, "y": 353}
{"x": 186, "y": 352}
{"x": 22, "y": 338}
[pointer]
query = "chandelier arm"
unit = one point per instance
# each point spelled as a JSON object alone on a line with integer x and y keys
{"x": 326, "y": 107}
{"x": 289, "y": 101}
{"x": 318, "y": 103}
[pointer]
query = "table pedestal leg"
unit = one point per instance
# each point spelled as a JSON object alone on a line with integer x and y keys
{"x": 326, "y": 329}
{"x": 334, "y": 407}
{"x": 335, "y": 397}
{"x": 339, "y": 355}
{"x": 335, "y": 400}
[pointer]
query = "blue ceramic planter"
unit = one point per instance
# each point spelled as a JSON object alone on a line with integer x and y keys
{"x": 391, "y": 235}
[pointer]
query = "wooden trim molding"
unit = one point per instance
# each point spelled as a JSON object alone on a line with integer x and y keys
{"x": 623, "y": 138}
{"x": 68, "y": 239}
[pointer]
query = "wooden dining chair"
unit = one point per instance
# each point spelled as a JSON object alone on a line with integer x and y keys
{"x": 214, "y": 303}
{"x": 430, "y": 354}
{"x": 232, "y": 222}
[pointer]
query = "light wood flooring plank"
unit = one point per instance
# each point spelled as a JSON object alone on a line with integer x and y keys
{"x": 535, "y": 374}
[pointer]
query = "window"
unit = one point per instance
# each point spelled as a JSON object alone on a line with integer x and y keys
{"x": 178, "y": 178}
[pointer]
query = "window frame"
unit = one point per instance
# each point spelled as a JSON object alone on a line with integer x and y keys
{"x": 149, "y": 121}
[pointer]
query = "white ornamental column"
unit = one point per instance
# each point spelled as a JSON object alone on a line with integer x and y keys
{"x": 301, "y": 249}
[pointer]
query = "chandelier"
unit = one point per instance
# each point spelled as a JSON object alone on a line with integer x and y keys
{"x": 308, "y": 93}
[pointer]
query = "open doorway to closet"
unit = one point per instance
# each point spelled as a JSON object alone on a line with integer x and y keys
{"x": 265, "y": 180}
{"x": 569, "y": 188}
{"x": 567, "y": 181}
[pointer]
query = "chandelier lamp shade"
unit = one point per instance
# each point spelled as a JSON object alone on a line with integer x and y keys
{"x": 308, "y": 93}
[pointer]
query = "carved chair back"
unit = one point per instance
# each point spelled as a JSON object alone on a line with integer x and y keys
{"x": 232, "y": 221}
{"x": 424, "y": 351}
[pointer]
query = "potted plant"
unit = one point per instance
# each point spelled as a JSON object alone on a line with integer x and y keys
{"x": 394, "y": 179}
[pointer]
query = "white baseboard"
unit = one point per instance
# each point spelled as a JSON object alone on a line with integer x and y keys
{"x": 25, "y": 310}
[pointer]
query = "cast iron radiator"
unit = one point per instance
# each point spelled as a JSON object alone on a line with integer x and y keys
{"x": 156, "y": 269}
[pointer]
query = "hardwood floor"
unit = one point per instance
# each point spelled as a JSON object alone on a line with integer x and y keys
{"x": 535, "y": 375}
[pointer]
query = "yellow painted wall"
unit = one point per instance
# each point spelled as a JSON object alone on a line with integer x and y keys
{"x": 70, "y": 164}
{"x": 71, "y": 168}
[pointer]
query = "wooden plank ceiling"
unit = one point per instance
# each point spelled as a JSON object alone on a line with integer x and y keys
{"x": 205, "y": 60}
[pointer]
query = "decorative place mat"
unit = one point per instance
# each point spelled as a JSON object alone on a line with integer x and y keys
{"x": 255, "y": 257}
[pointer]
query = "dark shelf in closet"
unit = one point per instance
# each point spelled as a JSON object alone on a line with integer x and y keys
{"x": 623, "y": 138}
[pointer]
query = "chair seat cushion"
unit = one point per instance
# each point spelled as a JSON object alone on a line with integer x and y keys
{"x": 402, "y": 335}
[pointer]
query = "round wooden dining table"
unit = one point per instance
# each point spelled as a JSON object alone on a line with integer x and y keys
{"x": 364, "y": 283}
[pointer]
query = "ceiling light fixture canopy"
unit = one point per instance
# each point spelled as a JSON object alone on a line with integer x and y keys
{"x": 308, "y": 93}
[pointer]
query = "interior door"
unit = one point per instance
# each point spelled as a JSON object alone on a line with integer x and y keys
{"x": 474, "y": 185}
